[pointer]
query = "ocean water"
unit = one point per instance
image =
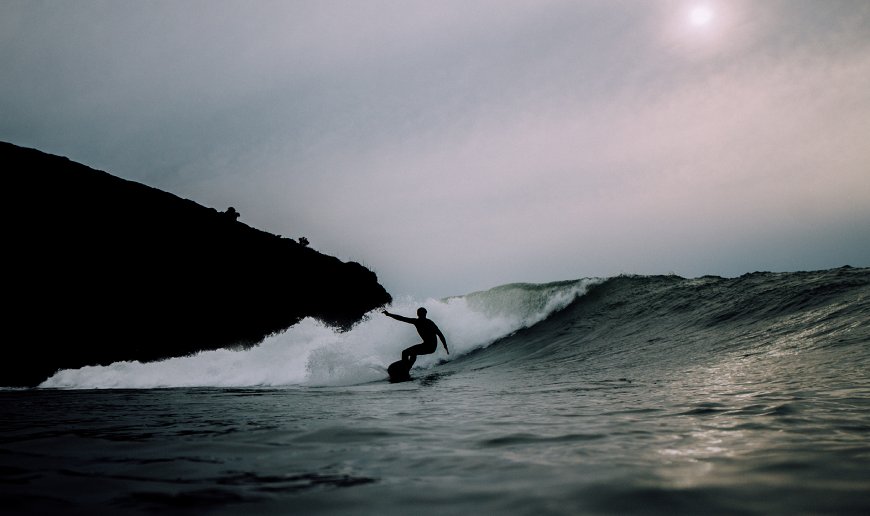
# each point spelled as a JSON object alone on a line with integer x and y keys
{"x": 627, "y": 395}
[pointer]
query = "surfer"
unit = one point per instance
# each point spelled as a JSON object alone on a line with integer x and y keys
{"x": 427, "y": 330}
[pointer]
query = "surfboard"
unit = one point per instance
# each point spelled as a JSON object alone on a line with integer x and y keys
{"x": 399, "y": 371}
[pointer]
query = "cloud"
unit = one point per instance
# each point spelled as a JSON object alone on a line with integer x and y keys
{"x": 454, "y": 146}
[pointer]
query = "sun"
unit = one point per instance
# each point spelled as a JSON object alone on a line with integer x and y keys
{"x": 700, "y": 16}
{"x": 699, "y": 29}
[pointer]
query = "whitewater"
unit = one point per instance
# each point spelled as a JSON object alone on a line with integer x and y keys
{"x": 624, "y": 395}
{"x": 311, "y": 353}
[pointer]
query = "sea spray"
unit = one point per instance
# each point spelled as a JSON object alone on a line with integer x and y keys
{"x": 312, "y": 353}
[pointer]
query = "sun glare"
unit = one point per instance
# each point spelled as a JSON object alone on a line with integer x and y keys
{"x": 699, "y": 29}
{"x": 700, "y": 16}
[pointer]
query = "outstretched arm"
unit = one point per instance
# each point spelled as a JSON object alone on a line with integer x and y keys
{"x": 443, "y": 341}
{"x": 400, "y": 318}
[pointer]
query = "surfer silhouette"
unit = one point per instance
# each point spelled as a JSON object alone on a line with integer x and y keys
{"x": 427, "y": 330}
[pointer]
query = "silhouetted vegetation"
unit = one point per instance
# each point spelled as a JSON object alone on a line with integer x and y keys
{"x": 101, "y": 269}
{"x": 232, "y": 214}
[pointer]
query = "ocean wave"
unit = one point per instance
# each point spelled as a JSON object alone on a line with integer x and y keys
{"x": 644, "y": 323}
{"x": 312, "y": 353}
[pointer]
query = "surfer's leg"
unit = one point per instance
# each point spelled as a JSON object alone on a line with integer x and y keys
{"x": 410, "y": 354}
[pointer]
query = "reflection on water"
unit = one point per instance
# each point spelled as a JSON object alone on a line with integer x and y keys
{"x": 754, "y": 418}
{"x": 741, "y": 434}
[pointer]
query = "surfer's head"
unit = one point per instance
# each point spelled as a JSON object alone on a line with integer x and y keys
{"x": 421, "y": 312}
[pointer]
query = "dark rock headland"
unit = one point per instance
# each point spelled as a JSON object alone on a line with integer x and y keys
{"x": 98, "y": 269}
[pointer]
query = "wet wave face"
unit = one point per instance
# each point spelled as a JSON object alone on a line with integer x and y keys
{"x": 660, "y": 319}
{"x": 627, "y": 395}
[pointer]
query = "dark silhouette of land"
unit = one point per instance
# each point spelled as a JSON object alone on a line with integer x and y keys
{"x": 100, "y": 269}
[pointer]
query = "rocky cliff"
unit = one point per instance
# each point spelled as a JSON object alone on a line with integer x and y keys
{"x": 99, "y": 269}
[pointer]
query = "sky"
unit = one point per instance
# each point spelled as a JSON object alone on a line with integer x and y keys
{"x": 456, "y": 145}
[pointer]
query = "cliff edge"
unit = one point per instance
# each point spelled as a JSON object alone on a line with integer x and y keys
{"x": 99, "y": 269}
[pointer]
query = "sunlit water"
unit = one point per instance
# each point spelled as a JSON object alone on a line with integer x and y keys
{"x": 604, "y": 408}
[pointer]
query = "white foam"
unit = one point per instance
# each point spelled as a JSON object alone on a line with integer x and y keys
{"x": 311, "y": 353}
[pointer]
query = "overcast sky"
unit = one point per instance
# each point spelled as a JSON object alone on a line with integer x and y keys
{"x": 453, "y": 146}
